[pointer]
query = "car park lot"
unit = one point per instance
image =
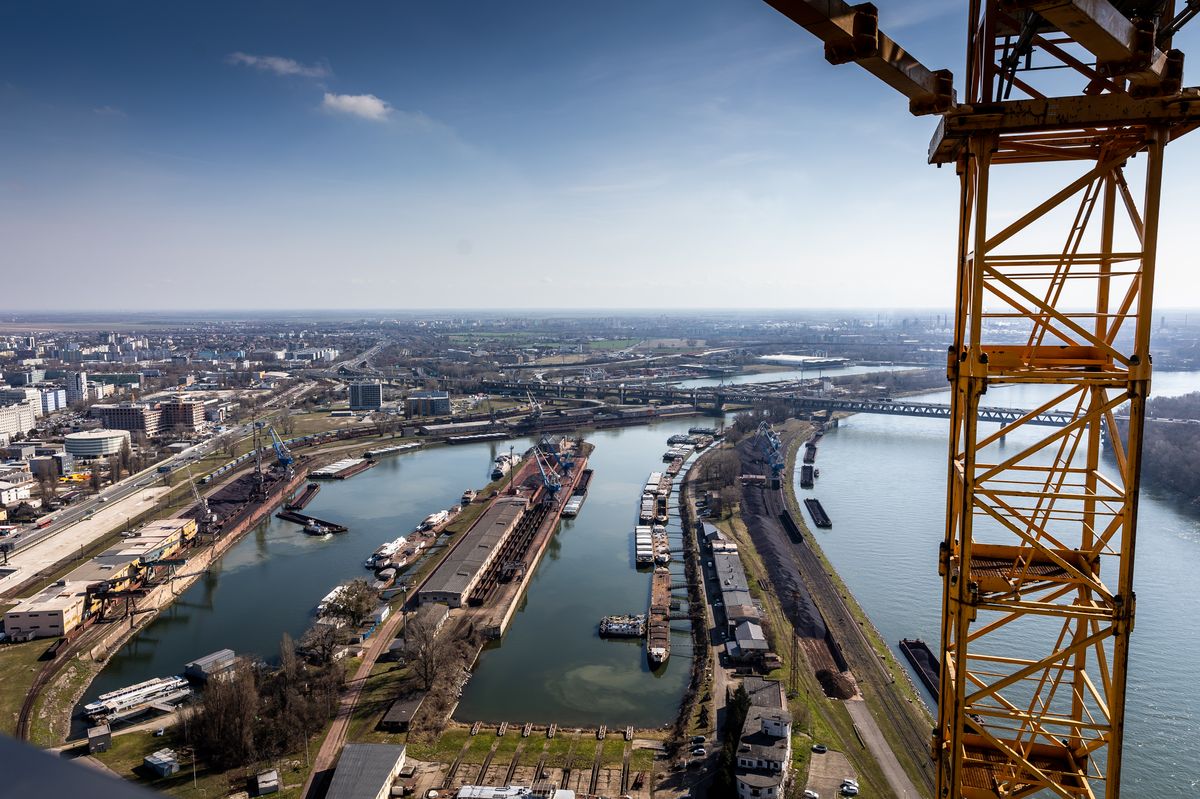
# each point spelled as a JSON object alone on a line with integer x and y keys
{"x": 826, "y": 772}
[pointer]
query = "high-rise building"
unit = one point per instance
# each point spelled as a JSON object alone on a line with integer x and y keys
{"x": 366, "y": 396}
{"x": 77, "y": 387}
{"x": 23, "y": 394}
{"x": 17, "y": 418}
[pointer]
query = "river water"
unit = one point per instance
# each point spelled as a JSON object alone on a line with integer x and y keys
{"x": 883, "y": 483}
{"x": 552, "y": 665}
{"x": 788, "y": 374}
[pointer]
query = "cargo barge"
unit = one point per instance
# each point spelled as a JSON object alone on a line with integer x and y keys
{"x": 627, "y": 625}
{"x": 342, "y": 469}
{"x": 375, "y": 453}
{"x": 819, "y": 516}
{"x": 303, "y": 498}
{"x": 806, "y": 476}
{"x": 658, "y": 618}
{"x": 924, "y": 663}
{"x": 575, "y": 501}
{"x": 312, "y": 525}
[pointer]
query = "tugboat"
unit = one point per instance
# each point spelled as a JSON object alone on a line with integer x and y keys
{"x": 316, "y": 528}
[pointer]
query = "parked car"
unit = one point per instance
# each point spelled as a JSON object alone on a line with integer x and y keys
{"x": 820, "y": 749}
{"x": 699, "y": 751}
{"x": 811, "y": 795}
{"x": 698, "y": 739}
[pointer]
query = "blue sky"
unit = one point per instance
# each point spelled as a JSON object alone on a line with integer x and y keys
{"x": 458, "y": 154}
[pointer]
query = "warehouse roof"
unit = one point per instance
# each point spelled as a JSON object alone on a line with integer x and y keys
{"x": 459, "y": 568}
{"x": 364, "y": 770}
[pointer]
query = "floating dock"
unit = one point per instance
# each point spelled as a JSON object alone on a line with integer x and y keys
{"x": 342, "y": 469}
{"x": 303, "y": 498}
{"x": 300, "y": 518}
{"x": 819, "y": 516}
{"x": 924, "y": 662}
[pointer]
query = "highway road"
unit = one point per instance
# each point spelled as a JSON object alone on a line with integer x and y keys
{"x": 68, "y": 516}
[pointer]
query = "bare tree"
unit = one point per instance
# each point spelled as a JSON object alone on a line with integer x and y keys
{"x": 287, "y": 422}
{"x": 354, "y": 603}
{"x": 426, "y": 651}
{"x": 47, "y": 486}
{"x": 320, "y": 641}
{"x": 114, "y": 468}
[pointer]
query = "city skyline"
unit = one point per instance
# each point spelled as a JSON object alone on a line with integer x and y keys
{"x": 380, "y": 156}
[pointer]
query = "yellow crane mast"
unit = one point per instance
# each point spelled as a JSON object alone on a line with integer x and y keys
{"x": 1037, "y": 561}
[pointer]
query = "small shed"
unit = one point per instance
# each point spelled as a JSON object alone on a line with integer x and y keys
{"x": 266, "y": 782}
{"x": 163, "y": 762}
{"x": 99, "y": 738}
{"x": 401, "y": 713}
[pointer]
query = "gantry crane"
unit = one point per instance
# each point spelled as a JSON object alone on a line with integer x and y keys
{"x": 1037, "y": 560}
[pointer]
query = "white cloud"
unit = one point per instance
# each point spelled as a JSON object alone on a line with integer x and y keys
{"x": 108, "y": 111}
{"x": 367, "y": 106}
{"x": 278, "y": 65}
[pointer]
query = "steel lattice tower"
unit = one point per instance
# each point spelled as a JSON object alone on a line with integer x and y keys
{"x": 1037, "y": 560}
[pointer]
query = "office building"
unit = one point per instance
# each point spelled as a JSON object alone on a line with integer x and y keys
{"x": 366, "y": 396}
{"x": 182, "y": 414}
{"x": 77, "y": 387}
{"x": 53, "y": 399}
{"x": 25, "y": 377}
{"x": 17, "y": 418}
{"x": 23, "y": 394}
{"x": 764, "y": 753}
{"x": 131, "y": 416}
{"x": 427, "y": 403}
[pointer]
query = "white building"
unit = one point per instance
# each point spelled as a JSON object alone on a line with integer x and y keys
{"x": 12, "y": 493}
{"x": 764, "y": 754}
{"x": 95, "y": 443}
{"x": 17, "y": 418}
{"x": 23, "y": 394}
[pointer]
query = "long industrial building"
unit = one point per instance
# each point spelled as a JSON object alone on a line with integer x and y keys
{"x": 65, "y": 605}
{"x": 457, "y": 575}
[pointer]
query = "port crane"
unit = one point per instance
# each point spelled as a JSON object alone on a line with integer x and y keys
{"x": 1037, "y": 558}
{"x": 282, "y": 453}
{"x": 207, "y": 520}
{"x": 549, "y": 478}
{"x": 772, "y": 449}
{"x": 564, "y": 462}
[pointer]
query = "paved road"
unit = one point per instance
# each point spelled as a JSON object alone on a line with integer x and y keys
{"x": 864, "y": 722}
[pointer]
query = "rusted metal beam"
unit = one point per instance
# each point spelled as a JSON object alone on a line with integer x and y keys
{"x": 851, "y": 33}
{"x": 1123, "y": 47}
{"x": 1180, "y": 113}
